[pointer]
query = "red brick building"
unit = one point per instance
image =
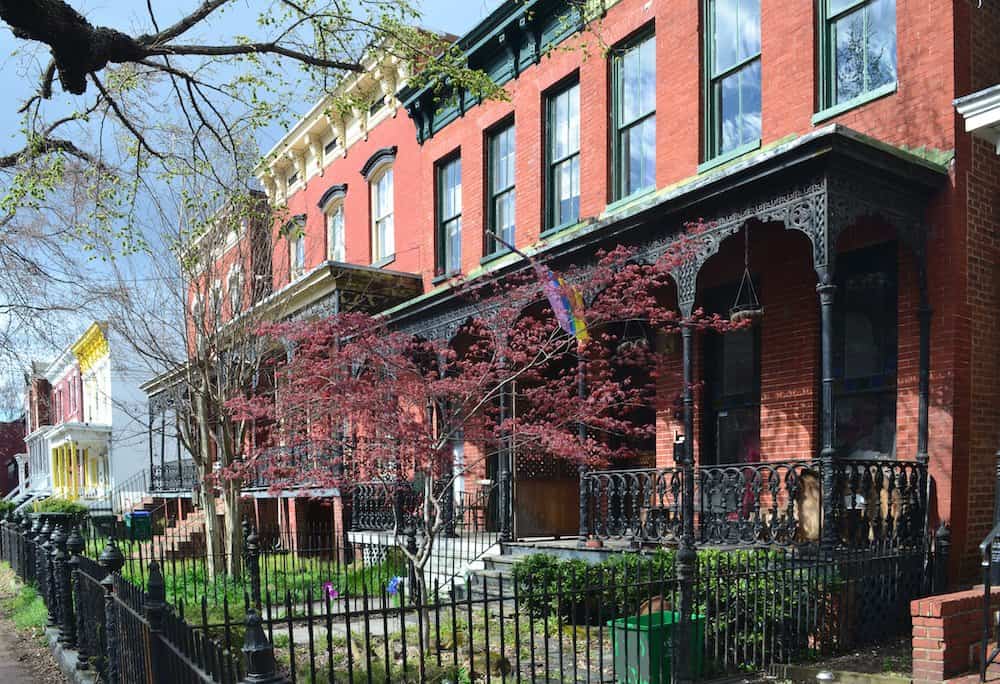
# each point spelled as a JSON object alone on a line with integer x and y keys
{"x": 825, "y": 130}
{"x": 11, "y": 446}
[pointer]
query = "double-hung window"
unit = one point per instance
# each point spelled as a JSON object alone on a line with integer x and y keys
{"x": 383, "y": 237}
{"x": 449, "y": 223}
{"x": 733, "y": 84}
{"x": 858, "y": 50}
{"x": 501, "y": 189}
{"x": 297, "y": 251}
{"x": 563, "y": 178}
{"x": 235, "y": 286}
{"x": 634, "y": 112}
{"x": 336, "y": 248}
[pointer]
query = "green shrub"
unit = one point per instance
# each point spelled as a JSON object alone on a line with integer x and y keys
{"x": 54, "y": 504}
{"x": 6, "y": 507}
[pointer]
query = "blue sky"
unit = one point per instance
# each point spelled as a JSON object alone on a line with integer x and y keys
{"x": 19, "y": 80}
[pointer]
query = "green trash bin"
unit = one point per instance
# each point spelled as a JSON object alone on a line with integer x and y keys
{"x": 139, "y": 525}
{"x": 641, "y": 647}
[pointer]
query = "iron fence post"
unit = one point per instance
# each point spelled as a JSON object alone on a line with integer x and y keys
{"x": 153, "y": 607}
{"x": 75, "y": 546}
{"x": 687, "y": 557}
{"x": 64, "y": 590}
{"x": 942, "y": 549}
{"x": 449, "y": 509}
{"x": 258, "y": 654}
{"x": 48, "y": 551}
{"x": 112, "y": 560}
{"x": 252, "y": 546}
{"x": 411, "y": 547}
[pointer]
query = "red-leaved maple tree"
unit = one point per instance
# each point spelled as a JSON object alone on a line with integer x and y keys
{"x": 358, "y": 400}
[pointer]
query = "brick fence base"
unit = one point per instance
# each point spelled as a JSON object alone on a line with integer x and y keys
{"x": 947, "y": 633}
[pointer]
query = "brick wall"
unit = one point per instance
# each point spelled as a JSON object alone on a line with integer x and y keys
{"x": 944, "y": 50}
{"x": 946, "y": 634}
{"x": 977, "y": 415}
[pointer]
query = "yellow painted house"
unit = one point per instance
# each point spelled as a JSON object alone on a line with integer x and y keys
{"x": 87, "y": 432}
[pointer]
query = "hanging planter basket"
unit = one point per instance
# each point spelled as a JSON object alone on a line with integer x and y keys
{"x": 738, "y": 315}
{"x": 747, "y": 306}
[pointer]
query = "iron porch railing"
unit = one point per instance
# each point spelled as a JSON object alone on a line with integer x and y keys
{"x": 769, "y": 503}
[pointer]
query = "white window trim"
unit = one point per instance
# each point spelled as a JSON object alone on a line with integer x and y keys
{"x": 328, "y": 214}
{"x": 235, "y": 272}
{"x": 382, "y": 252}
{"x": 294, "y": 270}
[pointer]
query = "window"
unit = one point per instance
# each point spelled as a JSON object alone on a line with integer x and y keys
{"x": 235, "y": 287}
{"x": 865, "y": 352}
{"x": 501, "y": 189}
{"x": 449, "y": 230}
{"x": 563, "y": 179}
{"x": 731, "y": 432}
{"x": 733, "y": 95}
{"x": 634, "y": 108}
{"x": 297, "y": 251}
{"x": 216, "y": 300}
{"x": 383, "y": 238}
{"x": 335, "y": 247}
{"x": 858, "y": 43}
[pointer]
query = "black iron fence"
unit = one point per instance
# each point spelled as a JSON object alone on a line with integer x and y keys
{"x": 770, "y": 503}
{"x": 547, "y": 620}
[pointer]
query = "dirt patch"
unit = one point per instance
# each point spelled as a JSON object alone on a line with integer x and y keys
{"x": 890, "y": 658}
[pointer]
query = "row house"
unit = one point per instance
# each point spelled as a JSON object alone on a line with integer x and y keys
{"x": 11, "y": 456}
{"x": 819, "y": 138}
{"x": 85, "y": 422}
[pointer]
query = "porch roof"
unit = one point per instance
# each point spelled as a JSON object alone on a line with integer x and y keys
{"x": 834, "y": 174}
{"x": 83, "y": 433}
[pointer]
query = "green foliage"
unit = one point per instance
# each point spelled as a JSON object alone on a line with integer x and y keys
{"x": 6, "y": 507}
{"x": 54, "y": 504}
{"x": 27, "y": 610}
{"x": 574, "y": 588}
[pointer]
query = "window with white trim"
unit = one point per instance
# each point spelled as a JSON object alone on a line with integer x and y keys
{"x": 297, "y": 251}
{"x": 336, "y": 248}
{"x": 383, "y": 233}
{"x": 235, "y": 286}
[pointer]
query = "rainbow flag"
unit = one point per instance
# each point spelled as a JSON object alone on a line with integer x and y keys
{"x": 566, "y": 302}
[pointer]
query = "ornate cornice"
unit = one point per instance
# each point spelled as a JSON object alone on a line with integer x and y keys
{"x": 91, "y": 347}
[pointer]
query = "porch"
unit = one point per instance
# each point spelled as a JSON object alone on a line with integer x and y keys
{"x": 811, "y": 426}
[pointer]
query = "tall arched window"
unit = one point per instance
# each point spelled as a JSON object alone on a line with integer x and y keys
{"x": 332, "y": 206}
{"x": 378, "y": 171}
{"x": 336, "y": 248}
{"x": 383, "y": 233}
{"x": 235, "y": 286}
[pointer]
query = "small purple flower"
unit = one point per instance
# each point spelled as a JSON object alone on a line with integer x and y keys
{"x": 393, "y": 586}
{"x": 330, "y": 590}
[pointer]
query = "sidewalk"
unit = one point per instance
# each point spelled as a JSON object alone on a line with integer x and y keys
{"x": 14, "y": 662}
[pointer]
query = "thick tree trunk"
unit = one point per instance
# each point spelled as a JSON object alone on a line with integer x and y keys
{"x": 234, "y": 527}
{"x": 213, "y": 532}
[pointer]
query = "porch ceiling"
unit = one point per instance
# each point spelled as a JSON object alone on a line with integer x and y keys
{"x": 819, "y": 184}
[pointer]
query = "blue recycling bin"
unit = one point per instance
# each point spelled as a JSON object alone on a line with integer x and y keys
{"x": 139, "y": 525}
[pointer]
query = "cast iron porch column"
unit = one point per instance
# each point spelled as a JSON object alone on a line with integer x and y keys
{"x": 827, "y": 289}
{"x": 923, "y": 407}
{"x": 687, "y": 558}
{"x": 151, "y": 419}
{"x": 581, "y": 393}
{"x": 504, "y": 505}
